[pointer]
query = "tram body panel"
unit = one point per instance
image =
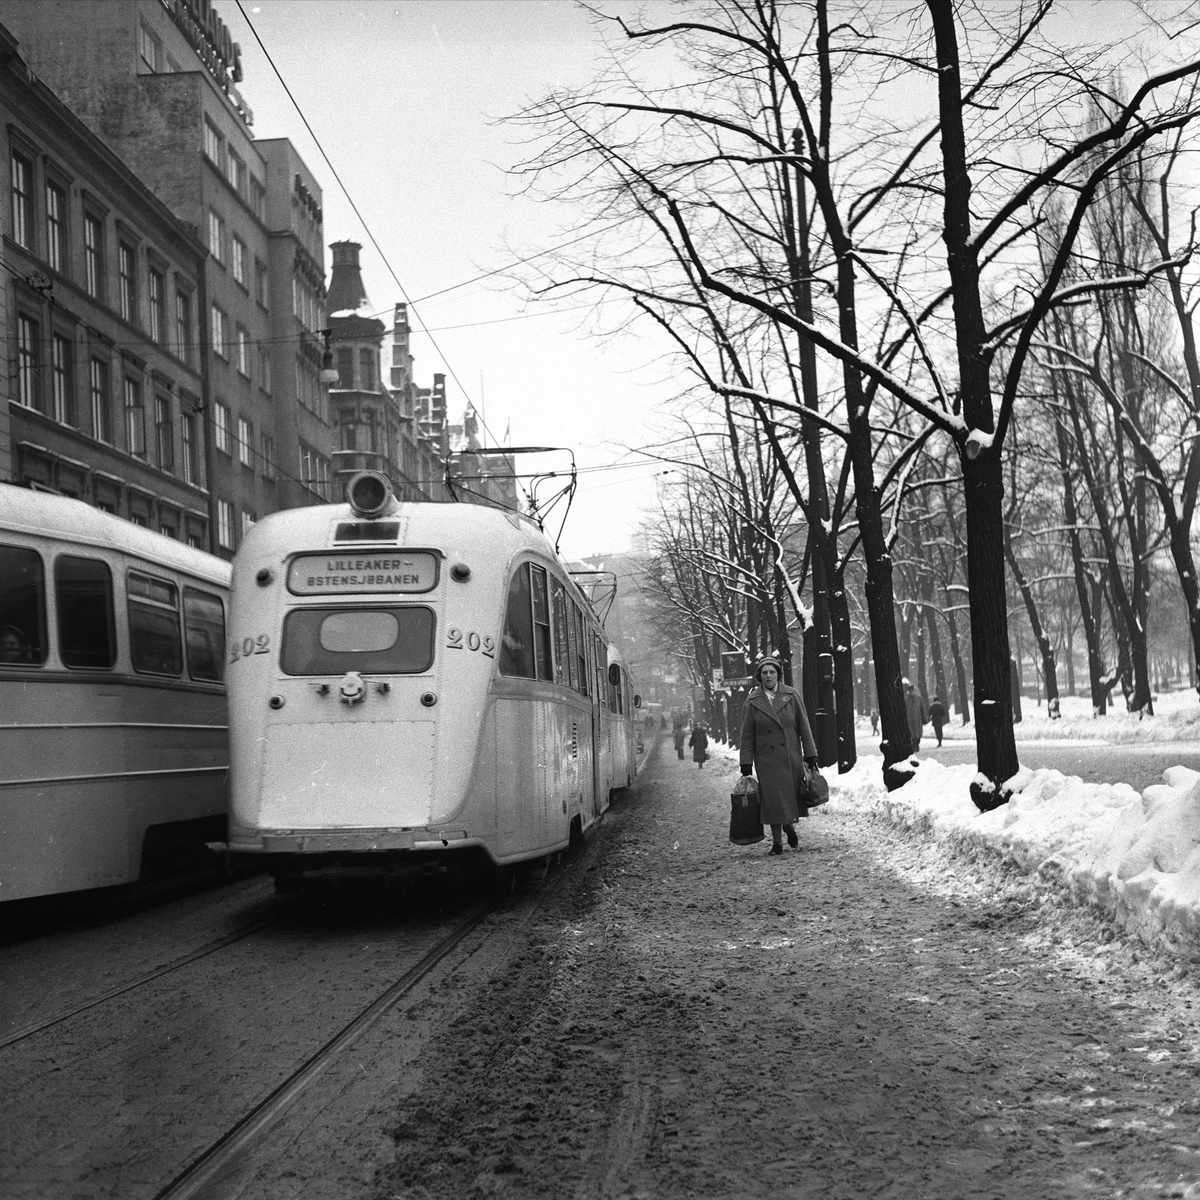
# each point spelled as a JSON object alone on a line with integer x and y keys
{"x": 99, "y": 765}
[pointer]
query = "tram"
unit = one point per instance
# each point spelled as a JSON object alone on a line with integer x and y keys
{"x": 113, "y": 730}
{"x": 415, "y": 687}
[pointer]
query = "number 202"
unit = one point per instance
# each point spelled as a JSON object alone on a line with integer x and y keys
{"x": 454, "y": 640}
{"x": 248, "y": 646}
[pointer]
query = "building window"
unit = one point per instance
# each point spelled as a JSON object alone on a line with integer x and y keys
{"x": 164, "y": 433}
{"x": 28, "y": 367}
{"x": 268, "y": 457}
{"x": 264, "y": 370}
{"x": 22, "y": 200}
{"x": 93, "y": 255}
{"x": 260, "y": 282}
{"x": 245, "y": 443}
{"x": 314, "y": 470}
{"x": 235, "y": 172}
{"x": 243, "y": 351}
{"x": 258, "y": 199}
{"x": 216, "y": 236}
{"x": 62, "y": 379}
{"x": 157, "y": 306}
{"x": 150, "y": 47}
{"x": 225, "y": 524}
{"x": 345, "y": 368}
{"x": 56, "y": 227}
{"x": 127, "y": 265}
{"x": 248, "y": 519}
{"x": 366, "y": 363}
{"x": 98, "y": 392}
{"x": 183, "y": 326}
{"x": 191, "y": 449}
{"x": 221, "y": 427}
{"x": 237, "y": 260}
{"x": 218, "y": 332}
{"x": 214, "y": 145}
{"x": 135, "y": 419}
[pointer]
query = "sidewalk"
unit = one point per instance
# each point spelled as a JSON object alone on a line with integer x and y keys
{"x": 859, "y": 1017}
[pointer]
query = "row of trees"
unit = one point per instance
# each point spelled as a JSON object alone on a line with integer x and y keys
{"x": 907, "y": 259}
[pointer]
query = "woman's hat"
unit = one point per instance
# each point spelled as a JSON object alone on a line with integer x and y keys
{"x": 768, "y": 660}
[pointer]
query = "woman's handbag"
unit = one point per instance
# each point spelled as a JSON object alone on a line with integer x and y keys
{"x": 745, "y": 822}
{"x": 816, "y": 790}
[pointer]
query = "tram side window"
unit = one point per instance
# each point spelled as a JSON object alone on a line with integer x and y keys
{"x": 570, "y": 613}
{"x": 22, "y": 607}
{"x": 154, "y": 646}
{"x": 581, "y": 654}
{"x": 204, "y": 627}
{"x": 562, "y": 657}
{"x": 601, "y": 658}
{"x": 620, "y": 692}
{"x": 382, "y": 641}
{"x": 516, "y": 643}
{"x": 541, "y": 624}
{"x": 87, "y": 626}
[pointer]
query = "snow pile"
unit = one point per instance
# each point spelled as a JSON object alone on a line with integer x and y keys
{"x": 1135, "y": 857}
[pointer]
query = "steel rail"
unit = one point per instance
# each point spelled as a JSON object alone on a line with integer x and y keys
{"x": 140, "y": 981}
{"x": 197, "y": 1174}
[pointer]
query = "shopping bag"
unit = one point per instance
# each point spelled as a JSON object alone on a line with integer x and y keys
{"x": 745, "y": 823}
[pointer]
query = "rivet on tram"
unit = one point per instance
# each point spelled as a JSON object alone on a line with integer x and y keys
{"x": 277, "y": 702}
{"x": 429, "y": 699}
{"x": 383, "y": 688}
{"x": 264, "y": 577}
{"x": 460, "y": 572}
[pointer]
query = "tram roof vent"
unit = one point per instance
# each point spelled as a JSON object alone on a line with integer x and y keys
{"x": 370, "y": 494}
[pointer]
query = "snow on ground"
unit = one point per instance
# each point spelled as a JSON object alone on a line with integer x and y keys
{"x": 1176, "y": 719}
{"x": 1134, "y": 856}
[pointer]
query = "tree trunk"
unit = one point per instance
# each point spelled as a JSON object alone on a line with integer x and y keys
{"x": 1049, "y": 674}
{"x": 935, "y": 653}
{"x": 964, "y": 707}
{"x": 843, "y": 667}
{"x": 983, "y": 481}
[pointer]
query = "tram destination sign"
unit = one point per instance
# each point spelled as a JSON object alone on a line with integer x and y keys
{"x": 338, "y": 573}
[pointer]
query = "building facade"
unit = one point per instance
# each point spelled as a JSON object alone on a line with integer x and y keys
{"x": 102, "y": 295}
{"x": 155, "y": 80}
{"x": 376, "y": 425}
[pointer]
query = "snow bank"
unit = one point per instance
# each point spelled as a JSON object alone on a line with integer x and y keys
{"x": 1135, "y": 857}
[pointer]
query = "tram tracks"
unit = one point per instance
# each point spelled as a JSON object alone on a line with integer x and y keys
{"x": 241, "y": 1136}
{"x": 140, "y": 981}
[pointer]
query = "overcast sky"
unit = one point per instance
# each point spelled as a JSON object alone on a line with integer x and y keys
{"x": 406, "y": 98}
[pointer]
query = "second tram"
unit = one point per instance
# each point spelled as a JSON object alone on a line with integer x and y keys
{"x": 113, "y": 738}
{"x": 412, "y": 685}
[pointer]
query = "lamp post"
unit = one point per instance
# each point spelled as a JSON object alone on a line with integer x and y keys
{"x": 329, "y": 373}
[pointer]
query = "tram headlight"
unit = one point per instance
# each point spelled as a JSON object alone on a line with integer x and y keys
{"x": 369, "y": 493}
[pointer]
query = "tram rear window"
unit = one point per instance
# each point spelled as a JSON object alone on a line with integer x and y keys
{"x": 87, "y": 627}
{"x": 22, "y": 607}
{"x": 390, "y": 640}
{"x": 204, "y": 621}
{"x": 154, "y": 645}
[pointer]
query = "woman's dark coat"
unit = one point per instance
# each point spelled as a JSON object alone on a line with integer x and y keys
{"x": 699, "y": 744}
{"x": 777, "y": 739}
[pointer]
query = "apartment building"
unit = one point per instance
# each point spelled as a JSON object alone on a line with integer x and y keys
{"x": 156, "y": 81}
{"x": 103, "y": 288}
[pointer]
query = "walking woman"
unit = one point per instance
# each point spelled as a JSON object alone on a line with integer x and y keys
{"x": 699, "y": 744}
{"x": 777, "y": 744}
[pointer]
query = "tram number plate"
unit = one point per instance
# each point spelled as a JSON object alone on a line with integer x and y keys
{"x": 456, "y": 639}
{"x": 244, "y": 647}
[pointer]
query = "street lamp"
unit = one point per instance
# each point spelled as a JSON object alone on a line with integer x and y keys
{"x": 329, "y": 373}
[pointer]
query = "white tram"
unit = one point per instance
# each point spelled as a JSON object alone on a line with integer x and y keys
{"x": 113, "y": 736}
{"x": 413, "y": 685}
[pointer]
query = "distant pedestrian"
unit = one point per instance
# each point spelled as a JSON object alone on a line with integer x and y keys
{"x": 874, "y": 721}
{"x": 914, "y": 706}
{"x": 678, "y": 736}
{"x": 937, "y": 714}
{"x": 699, "y": 744}
{"x": 777, "y": 745}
